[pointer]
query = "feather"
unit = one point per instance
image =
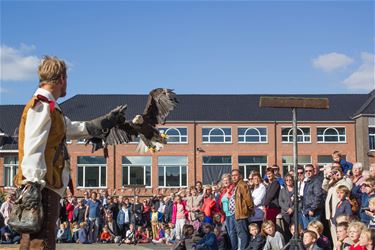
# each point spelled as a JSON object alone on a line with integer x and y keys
{"x": 159, "y": 104}
{"x": 142, "y": 148}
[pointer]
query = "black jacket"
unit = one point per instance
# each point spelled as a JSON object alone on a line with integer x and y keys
{"x": 271, "y": 199}
{"x": 312, "y": 195}
{"x": 256, "y": 243}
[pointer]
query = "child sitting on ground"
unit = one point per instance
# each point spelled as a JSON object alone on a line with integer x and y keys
{"x": 322, "y": 241}
{"x": 75, "y": 232}
{"x": 309, "y": 240}
{"x": 209, "y": 239}
{"x": 83, "y": 233}
{"x": 169, "y": 239}
{"x": 105, "y": 237}
{"x": 343, "y": 240}
{"x": 274, "y": 240}
{"x": 355, "y": 230}
{"x": 141, "y": 237}
{"x": 62, "y": 234}
{"x": 257, "y": 240}
{"x": 130, "y": 235}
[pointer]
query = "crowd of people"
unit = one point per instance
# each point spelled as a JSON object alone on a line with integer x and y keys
{"x": 336, "y": 211}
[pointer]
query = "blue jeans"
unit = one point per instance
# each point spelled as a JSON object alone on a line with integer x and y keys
{"x": 306, "y": 219}
{"x": 243, "y": 232}
{"x": 93, "y": 229}
{"x": 230, "y": 224}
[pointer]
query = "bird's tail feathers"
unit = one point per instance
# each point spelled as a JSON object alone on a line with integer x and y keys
{"x": 142, "y": 148}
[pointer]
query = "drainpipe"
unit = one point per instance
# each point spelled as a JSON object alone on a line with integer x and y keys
{"x": 275, "y": 141}
{"x": 195, "y": 152}
{"x": 114, "y": 167}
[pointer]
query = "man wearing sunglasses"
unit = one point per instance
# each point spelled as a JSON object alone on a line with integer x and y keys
{"x": 312, "y": 197}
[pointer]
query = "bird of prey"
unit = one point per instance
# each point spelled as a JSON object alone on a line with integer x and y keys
{"x": 160, "y": 103}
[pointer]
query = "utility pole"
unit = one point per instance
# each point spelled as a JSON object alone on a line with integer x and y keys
{"x": 294, "y": 103}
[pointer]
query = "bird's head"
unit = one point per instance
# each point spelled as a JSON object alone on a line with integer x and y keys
{"x": 138, "y": 119}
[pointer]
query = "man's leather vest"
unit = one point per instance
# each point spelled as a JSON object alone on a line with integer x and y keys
{"x": 54, "y": 149}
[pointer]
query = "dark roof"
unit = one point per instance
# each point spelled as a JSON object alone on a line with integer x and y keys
{"x": 368, "y": 107}
{"x": 10, "y": 119}
{"x": 215, "y": 107}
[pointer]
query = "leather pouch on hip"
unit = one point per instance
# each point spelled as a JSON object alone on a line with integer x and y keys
{"x": 27, "y": 212}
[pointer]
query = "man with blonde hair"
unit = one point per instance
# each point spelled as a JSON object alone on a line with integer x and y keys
{"x": 42, "y": 148}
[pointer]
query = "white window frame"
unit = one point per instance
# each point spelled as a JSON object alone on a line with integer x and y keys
{"x": 259, "y": 135}
{"x": 261, "y": 165}
{"x": 290, "y": 133}
{"x": 327, "y": 128}
{"x": 371, "y": 135}
{"x": 164, "y": 166}
{"x": 166, "y": 129}
{"x": 68, "y": 141}
{"x": 100, "y": 174}
{"x": 81, "y": 141}
{"x": 209, "y": 135}
{"x": 144, "y": 172}
{"x": 13, "y": 172}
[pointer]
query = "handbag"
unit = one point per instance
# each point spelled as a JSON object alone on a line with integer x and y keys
{"x": 27, "y": 213}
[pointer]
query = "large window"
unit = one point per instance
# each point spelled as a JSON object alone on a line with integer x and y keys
{"x": 214, "y": 167}
{"x": 92, "y": 171}
{"x": 175, "y": 135}
{"x": 216, "y": 135}
{"x": 252, "y": 135}
{"x": 10, "y": 170}
{"x": 303, "y": 135}
{"x": 172, "y": 171}
{"x": 252, "y": 163}
{"x": 331, "y": 135}
{"x": 136, "y": 170}
{"x": 288, "y": 165}
{"x": 371, "y": 138}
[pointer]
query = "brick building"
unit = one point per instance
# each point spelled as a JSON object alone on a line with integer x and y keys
{"x": 208, "y": 136}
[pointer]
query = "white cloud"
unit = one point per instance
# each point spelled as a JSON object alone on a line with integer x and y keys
{"x": 364, "y": 77}
{"x": 18, "y": 64}
{"x": 332, "y": 61}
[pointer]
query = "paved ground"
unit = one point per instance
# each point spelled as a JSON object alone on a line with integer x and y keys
{"x": 98, "y": 246}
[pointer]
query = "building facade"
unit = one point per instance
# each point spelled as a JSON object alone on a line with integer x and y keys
{"x": 207, "y": 137}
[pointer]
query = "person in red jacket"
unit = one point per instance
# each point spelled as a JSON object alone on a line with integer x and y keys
{"x": 70, "y": 205}
{"x": 209, "y": 204}
{"x": 105, "y": 237}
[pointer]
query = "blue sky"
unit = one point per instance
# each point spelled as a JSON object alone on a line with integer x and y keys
{"x": 194, "y": 47}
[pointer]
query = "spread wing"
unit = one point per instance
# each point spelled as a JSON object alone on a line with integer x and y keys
{"x": 159, "y": 104}
{"x": 121, "y": 133}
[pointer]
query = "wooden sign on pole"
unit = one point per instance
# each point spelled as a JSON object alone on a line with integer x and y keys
{"x": 293, "y": 102}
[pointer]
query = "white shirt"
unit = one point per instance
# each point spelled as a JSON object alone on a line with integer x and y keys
{"x": 37, "y": 128}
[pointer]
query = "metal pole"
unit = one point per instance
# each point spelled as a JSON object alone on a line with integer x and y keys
{"x": 295, "y": 163}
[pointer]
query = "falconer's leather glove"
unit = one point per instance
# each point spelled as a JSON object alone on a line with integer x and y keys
{"x": 99, "y": 127}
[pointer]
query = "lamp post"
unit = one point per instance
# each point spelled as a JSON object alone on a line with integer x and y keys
{"x": 294, "y": 103}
